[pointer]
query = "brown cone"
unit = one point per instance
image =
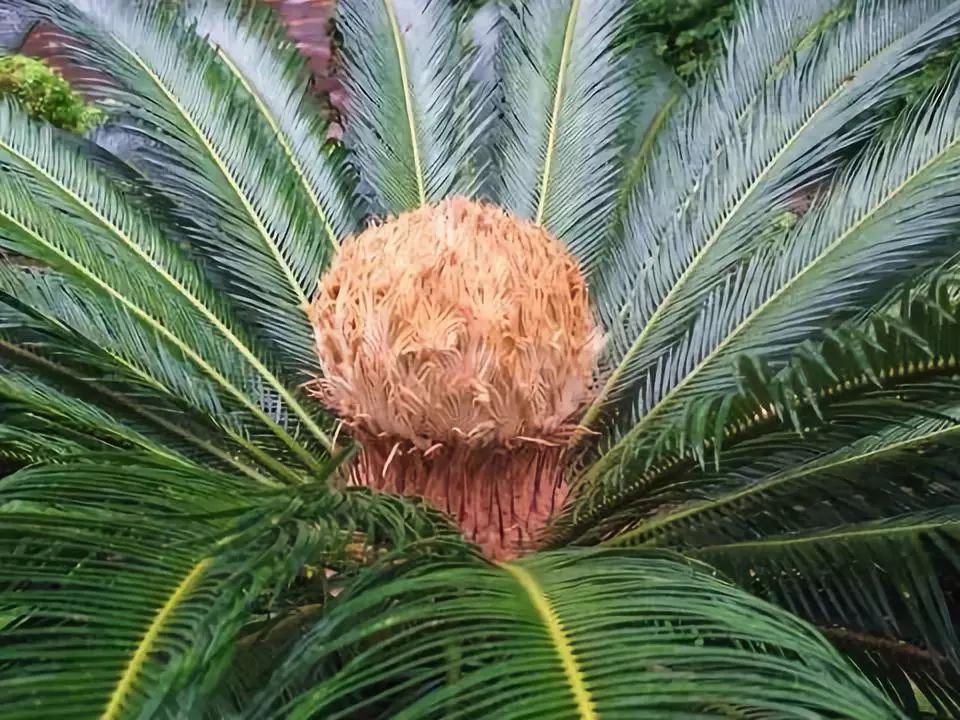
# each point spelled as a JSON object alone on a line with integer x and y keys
{"x": 458, "y": 343}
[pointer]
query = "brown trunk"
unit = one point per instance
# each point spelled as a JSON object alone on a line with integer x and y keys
{"x": 500, "y": 497}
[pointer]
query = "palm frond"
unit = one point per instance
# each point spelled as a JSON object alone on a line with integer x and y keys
{"x": 130, "y": 260}
{"x": 891, "y": 580}
{"x": 878, "y": 392}
{"x": 690, "y": 149}
{"x": 837, "y": 499}
{"x": 247, "y": 202}
{"x": 892, "y": 213}
{"x": 129, "y": 583}
{"x": 413, "y": 120}
{"x": 80, "y": 352}
{"x": 256, "y": 51}
{"x": 42, "y": 410}
{"x": 567, "y": 96}
{"x": 125, "y": 581}
{"x": 553, "y": 636}
{"x": 681, "y": 145}
{"x": 842, "y": 482}
{"x": 665, "y": 302}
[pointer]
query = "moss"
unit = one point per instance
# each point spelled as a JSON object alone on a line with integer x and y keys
{"x": 45, "y": 94}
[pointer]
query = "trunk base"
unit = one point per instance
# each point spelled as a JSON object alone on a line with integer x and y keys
{"x": 500, "y": 497}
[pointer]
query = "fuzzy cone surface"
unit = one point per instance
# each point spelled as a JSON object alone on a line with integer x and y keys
{"x": 458, "y": 343}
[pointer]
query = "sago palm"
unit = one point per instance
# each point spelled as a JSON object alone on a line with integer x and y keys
{"x": 523, "y": 402}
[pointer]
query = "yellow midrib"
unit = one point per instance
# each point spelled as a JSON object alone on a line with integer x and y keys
{"x": 282, "y": 138}
{"x": 586, "y": 708}
{"x": 648, "y": 527}
{"x": 145, "y": 647}
{"x": 555, "y": 114}
{"x": 745, "y": 323}
{"x": 407, "y": 101}
{"x": 161, "y": 330}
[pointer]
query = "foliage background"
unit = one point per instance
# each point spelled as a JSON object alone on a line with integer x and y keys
{"x": 686, "y": 34}
{"x": 45, "y": 94}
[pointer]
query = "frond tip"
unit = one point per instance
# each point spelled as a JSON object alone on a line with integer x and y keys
{"x": 467, "y": 354}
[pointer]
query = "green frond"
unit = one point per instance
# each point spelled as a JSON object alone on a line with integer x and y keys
{"x": 833, "y": 475}
{"x": 257, "y": 52}
{"x": 837, "y": 499}
{"x": 676, "y": 289}
{"x": 679, "y": 132}
{"x": 126, "y": 581}
{"x": 891, "y": 580}
{"x": 772, "y": 488}
{"x": 32, "y": 406}
{"x": 256, "y": 193}
{"x": 554, "y": 635}
{"x": 890, "y": 577}
{"x": 414, "y": 121}
{"x": 131, "y": 262}
{"x": 567, "y": 96}
{"x": 883, "y": 389}
{"x": 48, "y": 331}
{"x": 126, "y": 586}
{"x": 891, "y": 214}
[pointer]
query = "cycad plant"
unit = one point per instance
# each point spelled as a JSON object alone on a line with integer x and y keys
{"x": 524, "y": 402}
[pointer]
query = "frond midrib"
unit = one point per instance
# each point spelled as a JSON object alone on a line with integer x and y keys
{"x": 742, "y": 114}
{"x": 147, "y": 445}
{"x": 286, "y": 146}
{"x": 262, "y": 457}
{"x": 762, "y": 415}
{"x": 140, "y": 656}
{"x": 758, "y": 311}
{"x": 780, "y": 479}
{"x": 407, "y": 101}
{"x": 639, "y": 162}
{"x": 553, "y": 624}
{"x": 854, "y": 534}
{"x": 552, "y": 131}
{"x": 265, "y": 459}
{"x": 174, "y": 428}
